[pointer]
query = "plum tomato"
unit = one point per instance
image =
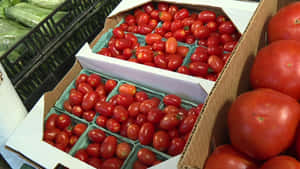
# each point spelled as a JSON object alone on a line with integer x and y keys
{"x": 127, "y": 53}
{"x": 146, "y": 156}
{"x": 120, "y": 113}
{"x": 190, "y": 39}
{"x": 79, "y": 128}
{"x": 175, "y": 25}
{"x": 147, "y": 105}
{"x": 127, "y": 89}
{"x": 174, "y": 62}
{"x": 155, "y": 14}
{"x": 130, "y": 20}
{"x": 104, "y": 108}
{"x": 68, "y": 106}
{"x": 160, "y": 61}
{"x": 165, "y": 16}
{"x": 89, "y": 100}
{"x": 144, "y": 29}
{"x": 172, "y": 99}
{"x": 101, "y": 121}
{"x": 113, "y": 100}
{"x": 124, "y": 99}
{"x": 84, "y": 88}
{"x": 181, "y": 14}
{"x": 183, "y": 70}
{"x": 62, "y": 121}
{"x": 144, "y": 57}
{"x": 96, "y": 135}
{"x": 113, "y": 125}
{"x": 94, "y": 80}
{"x": 146, "y": 133}
{"x": 143, "y": 18}
{"x": 226, "y": 27}
{"x": 141, "y": 119}
{"x": 224, "y": 38}
{"x": 148, "y": 8}
{"x": 173, "y": 9}
{"x": 123, "y": 150}
{"x": 159, "y": 45}
{"x": 80, "y": 79}
{"x": 213, "y": 41}
{"x": 215, "y": 63}
{"x": 160, "y": 31}
{"x": 124, "y": 26}
{"x": 199, "y": 57}
{"x": 155, "y": 115}
{"x": 201, "y": 32}
{"x": 176, "y": 147}
{"x": 166, "y": 26}
{"x": 196, "y": 25}
{"x": 93, "y": 150}
{"x": 173, "y": 133}
{"x": 134, "y": 109}
{"x": 220, "y": 19}
{"x": 161, "y": 141}
{"x": 95, "y": 162}
{"x": 212, "y": 26}
{"x": 152, "y": 37}
{"x": 171, "y": 45}
{"x": 207, "y": 16}
{"x": 110, "y": 85}
{"x": 133, "y": 131}
{"x": 100, "y": 90}
{"x": 182, "y": 50}
{"x": 198, "y": 68}
{"x": 111, "y": 163}
{"x": 82, "y": 155}
{"x": 163, "y": 6}
{"x": 75, "y": 97}
{"x": 50, "y": 134}
{"x": 215, "y": 50}
{"x": 108, "y": 147}
{"x": 229, "y": 46}
{"x": 139, "y": 165}
{"x": 187, "y": 124}
{"x": 89, "y": 115}
{"x": 170, "y": 121}
{"x": 73, "y": 139}
{"x": 141, "y": 96}
{"x": 62, "y": 139}
{"x": 50, "y": 123}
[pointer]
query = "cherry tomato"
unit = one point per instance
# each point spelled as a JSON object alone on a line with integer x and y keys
{"x": 226, "y": 38}
{"x": 118, "y": 33}
{"x": 110, "y": 85}
{"x": 141, "y": 96}
{"x": 161, "y": 141}
{"x": 50, "y": 123}
{"x": 133, "y": 131}
{"x": 212, "y": 26}
{"x": 68, "y": 106}
{"x": 79, "y": 128}
{"x": 174, "y": 62}
{"x": 75, "y": 97}
{"x": 127, "y": 89}
{"x": 213, "y": 41}
{"x": 95, "y": 162}
{"x": 187, "y": 124}
{"x": 181, "y": 14}
{"x": 220, "y": 19}
{"x": 113, "y": 125}
{"x": 123, "y": 26}
{"x": 81, "y": 155}
{"x": 146, "y": 133}
{"x": 84, "y": 88}
{"x": 173, "y": 9}
{"x": 175, "y": 25}
{"x": 125, "y": 99}
{"x": 172, "y": 99}
{"x": 105, "y": 52}
{"x": 120, "y": 113}
{"x": 133, "y": 109}
{"x": 144, "y": 29}
{"x": 144, "y": 57}
{"x": 123, "y": 150}
{"x": 160, "y": 31}
{"x": 199, "y": 57}
{"x": 148, "y": 8}
{"x": 141, "y": 119}
{"x": 62, "y": 139}
{"x": 104, "y": 108}
{"x": 180, "y": 34}
{"x": 89, "y": 115}
{"x": 100, "y": 90}
{"x": 176, "y": 146}
{"x": 130, "y": 20}
{"x": 202, "y": 32}
{"x": 227, "y": 27}
{"x": 202, "y": 42}
{"x": 147, "y": 105}
{"x": 155, "y": 14}
{"x": 73, "y": 139}
{"x": 108, "y": 147}
{"x": 182, "y": 50}
{"x": 188, "y": 21}
{"x": 113, "y": 100}
{"x": 111, "y": 163}
{"x": 155, "y": 115}
{"x": 165, "y": 16}
{"x": 206, "y": 16}
{"x": 153, "y": 37}
{"x": 138, "y": 165}
{"x": 89, "y": 100}
{"x": 190, "y": 39}
{"x": 198, "y": 68}
{"x": 93, "y": 149}
{"x": 168, "y": 35}
{"x": 101, "y": 121}
{"x": 183, "y": 70}
{"x": 133, "y": 39}
{"x": 146, "y": 156}
{"x": 62, "y": 121}
{"x": 153, "y": 23}
{"x": 127, "y": 53}
{"x": 215, "y": 50}
{"x": 196, "y": 24}
{"x": 160, "y": 61}
{"x": 163, "y": 6}
{"x": 80, "y": 79}
{"x": 215, "y": 63}
{"x": 159, "y": 45}
{"x": 166, "y": 26}
{"x": 50, "y": 134}
{"x": 122, "y": 44}
{"x": 229, "y": 46}
{"x": 173, "y": 133}
{"x": 171, "y": 45}
{"x": 170, "y": 121}
{"x": 96, "y": 135}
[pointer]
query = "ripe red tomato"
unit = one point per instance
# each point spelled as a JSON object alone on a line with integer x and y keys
{"x": 111, "y": 163}
{"x": 143, "y": 18}
{"x": 133, "y": 109}
{"x": 183, "y": 70}
{"x": 226, "y": 157}
{"x": 198, "y": 68}
{"x": 120, "y": 113}
{"x": 68, "y": 106}
{"x": 141, "y": 119}
{"x": 96, "y": 135}
{"x": 281, "y": 162}
{"x": 170, "y": 121}
{"x": 172, "y": 99}
{"x": 220, "y": 19}
{"x": 50, "y": 123}
{"x": 144, "y": 57}
{"x": 138, "y": 165}
{"x": 127, "y": 53}
{"x": 62, "y": 121}
{"x": 176, "y": 146}
{"x": 127, "y": 89}
{"x": 146, "y": 133}
{"x": 284, "y": 24}
{"x": 171, "y": 45}
{"x": 173, "y": 9}
{"x": 113, "y": 125}
{"x": 173, "y": 133}
{"x": 73, "y": 139}
{"x": 227, "y": 27}
{"x": 163, "y": 6}
{"x": 148, "y": 8}
{"x": 93, "y": 149}
{"x": 160, "y": 61}
{"x": 196, "y": 24}
{"x": 190, "y": 39}
{"x": 155, "y": 14}
{"x": 199, "y": 57}
{"x": 75, "y": 97}
{"x": 133, "y": 131}
{"x": 124, "y": 26}
{"x": 207, "y": 16}
{"x": 201, "y": 32}
{"x": 187, "y": 124}
{"x": 122, "y": 44}
{"x": 165, "y": 16}
{"x": 144, "y": 29}
{"x": 229, "y": 46}
{"x": 276, "y": 66}
{"x": 89, "y": 115}
{"x": 147, "y": 105}
{"x": 81, "y": 78}
{"x": 159, "y": 45}
{"x": 215, "y": 63}
{"x": 130, "y": 20}
{"x": 226, "y": 38}
{"x": 253, "y": 114}
{"x": 84, "y": 88}
{"x": 50, "y": 134}
{"x": 171, "y": 109}
{"x": 182, "y": 50}
{"x": 124, "y": 99}
{"x": 104, "y": 108}
{"x": 108, "y": 147}
{"x": 89, "y": 100}
{"x": 110, "y": 85}
{"x": 174, "y": 62}
{"x": 180, "y": 34}
{"x": 212, "y": 26}
{"x": 181, "y": 14}
{"x": 62, "y": 139}
{"x": 141, "y": 96}
{"x": 155, "y": 115}
{"x": 123, "y": 150}
{"x": 95, "y": 162}
{"x": 79, "y": 128}
{"x": 81, "y": 155}
{"x": 146, "y": 156}
{"x": 215, "y": 50}
{"x": 161, "y": 141}
{"x": 213, "y": 41}
{"x": 118, "y": 33}
{"x": 101, "y": 121}
{"x": 166, "y": 26}
{"x": 100, "y": 90}
{"x": 175, "y": 25}
{"x": 152, "y": 37}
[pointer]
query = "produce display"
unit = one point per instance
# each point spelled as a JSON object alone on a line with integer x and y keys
{"x": 142, "y": 126}
{"x": 264, "y": 123}
{"x": 166, "y": 36}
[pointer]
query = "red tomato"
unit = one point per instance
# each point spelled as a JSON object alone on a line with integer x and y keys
{"x": 226, "y": 157}
{"x": 181, "y": 14}
{"x": 187, "y": 124}
{"x": 220, "y": 19}
{"x": 50, "y": 134}
{"x": 155, "y": 115}
{"x": 146, "y": 156}
{"x": 212, "y": 26}
{"x": 207, "y": 16}
{"x": 199, "y": 57}
{"x": 108, "y": 147}
{"x": 95, "y": 162}
{"x": 141, "y": 119}
{"x": 93, "y": 150}
{"x": 105, "y": 52}
{"x": 175, "y": 25}
{"x": 146, "y": 133}
{"x": 182, "y": 50}
{"x": 110, "y": 85}
{"x": 113, "y": 125}
{"x": 127, "y": 53}
{"x": 62, "y": 139}
{"x": 138, "y": 165}
{"x": 160, "y": 31}
{"x": 215, "y": 63}
{"x": 281, "y": 162}
{"x": 75, "y": 97}
{"x": 123, "y": 26}
{"x": 202, "y": 42}
{"x": 166, "y": 26}
{"x": 277, "y": 67}
{"x": 148, "y": 8}
{"x": 176, "y": 146}
{"x": 173, "y": 133}
{"x": 165, "y": 16}
{"x": 141, "y": 96}
{"x": 143, "y": 18}
{"x": 155, "y": 14}
{"x": 100, "y": 90}
{"x": 190, "y": 39}
{"x": 81, "y": 155}
{"x": 183, "y": 70}
{"x": 226, "y": 38}
{"x": 229, "y": 46}
{"x": 163, "y": 6}
{"x": 120, "y": 113}
{"x": 89, "y": 100}
{"x": 73, "y": 139}
{"x": 84, "y": 88}
{"x": 122, "y": 44}
{"x": 213, "y": 41}
{"x": 133, "y": 109}
{"x": 111, "y": 163}
{"x": 118, "y": 33}
{"x": 180, "y": 34}
{"x": 171, "y": 109}
{"x": 89, "y": 115}
{"x": 132, "y": 28}
{"x": 127, "y": 89}
{"x": 152, "y": 37}
{"x": 68, "y": 106}
{"x": 96, "y": 135}
{"x": 173, "y": 9}
{"x": 81, "y": 78}
{"x": 172, "y": 99}
{"x": 170, "y": 121}
{"x": 284, "y": 24}
{"x": 133, "y": 39}
{"x": 124, "y": 99}
{"x": 144, "y": 57}
{"x": 62, "y": 121}
{"x": 130, "y": 19}
{"x": 215, "y": 50}
{"x": 50, "y": 123}
{"x": 198, "y": 68}
{"x": 123, "y": 150}
{"x": 152, "y": 23}
{"x": 113, "y": 100}
{"x": 147, "y": 105}
{"x": 168, "y": 35}
{"x": 174, "y": 62}
{"x": 202, "y": 32}
{"x": 196, "y": 24}
{"x": 101, "y": 121}
{"x": 144, "y": 29}
{"x": 227, "y": 27}
{"x": 160, "y": 61}
{"x": 253, "y": 114}
{"x": 79, "y": 128}
{"x": 159, "y": 46}
{"x": 161, "y": 141}
{"x": 133, "y": 131}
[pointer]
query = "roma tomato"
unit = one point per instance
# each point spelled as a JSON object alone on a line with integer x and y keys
{"x": 165, "y": 16}
{"x": 220, "y": 19}
{"x": 127, "y": 53}
{"x": 95, "y": 162}
{"x": 170, "y": 121}
{"x": 202, "y": 32}
{"x": 215, "y": 50}
{"x": 226, "y": 38}
{"x": 174, "y": 62}
{"x": 155, "y": 14}
{"x": 155, "y": 115}
{"x": 133, "y": 131}
{"x": 226, "y": 157}
{"x": 215, "y": 63}
{"x": 108, "y": 147}
{"x": 213, "y": 41}
{"x": 110, "y": 85}
{"x": 152, "y": 37}
{"x": 84, "y": 88}
{"x": 118, "y": 33}
{"x": 120, "y": 113}
{"x": 171, "y": 45}
{"x": 281, "y": 162}
{"x": 75, "y": 97}
{"x": 146, "y": 133}
{"x": 163, "y": 6}
{"x": 81, "y": 155}
{"x": 190, "y": 39}
{"x": 159, "y": 45}
{"x": 187, "y": 124}
{"x": 124, "y": 99}
{"x": 197, "y": 24}
{"x": 133, "y": 39}
{"x": 62, "y": 139}
{"x": 96, "y": 135}
{"x": 144, "y": 29}
{"x": 182, "y": 50}
{"x": 199, "y": 57}
{"x": 134, "y": 109}
{"x": 198, "y": 68}
{"x": 147, "y": 105}
{"x": 73, "y": 139}
{"x": 100, "y": 90}
{"x": 285, "y": 24}
{"x": 176, "y": 146}
{"x": 113, "y": 125}
{"x": 160, "y": 61}
{"x": 89, "y": 100}
{"x": 101, "y": 121}
{"x": 79, "y": 128}
{"x": 93, "y": 150}
{"x": 172, "y": 99}
{"x": 171, "y": 109}
{"x": 104, "y": 108}
{"x": 212, "y": 26}
{"x": 160, "y": 31}
{"x": 180, "y": 34}
{"x": 141, "y": 96}
{"x": 130, "y": 20}
{"x": 122, "y": 44}
{"x": 146, "y": 156}
{"x": 229, "y": 46}
{"x": 181, "y": 14}
{"x": 148, "y": 8}
{"x": 94, "y": 80}
{"x": 277, "y": 67}
{"x": 50, "y": 123}
{"x": 227, "y": 27}
{"x": 207, "y": 16}
{"x": 143, "y": 18}
{"x": 62, "y": 121}
{"x": 68, "y": 106}
{"x": 161, "y": 141}
{"x": 123, "y": 150}
{"x": 81, "y": 78}
{"x": 175, "y": 25}
{"x": 127, "y": 89}
{"x": 111, "y": 163}
{"x": 253, "y": 114}
{"x": 138, "y": 165}
{"x": 50, "y": 134}
{"x": 144, "y": 57}
{"x": 173, "y": 9}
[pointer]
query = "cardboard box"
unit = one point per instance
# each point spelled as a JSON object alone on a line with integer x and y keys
{"x": 211, "y": 129}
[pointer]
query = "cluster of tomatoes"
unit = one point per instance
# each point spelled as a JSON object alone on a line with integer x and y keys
{"x": 103, "y": 151}
{"x": 89, "y": 91}
{"x": 60, "y": 133}
{"x": 146, "y": 158}
{"x": 264, "y": 123}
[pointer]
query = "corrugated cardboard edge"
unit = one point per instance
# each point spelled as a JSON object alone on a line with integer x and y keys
{"x": 211, "y": 129}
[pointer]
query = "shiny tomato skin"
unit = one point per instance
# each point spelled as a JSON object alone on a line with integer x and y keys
{"x": 122, "y": 44}
{"x": 130, "y": 20}
{"x": 68, "y": 106}
{"x": 163, "y": 6}
{"x": 215, "y": 63}
{"x": 127, "y": 89}
{"x": 198, "y": 68}
{"x": 111, "y": 163}
{"x": 82, "y": 155}
{"x": 50, "y": 122}
{"x": 143, "y": 18}
{"x": 171, "y": 45}
{"x": 100, "y": 90}
{"x": 75, "y": 97}
{"x": 227, "y": 27}
{"x": 181, "y": 14}
{"x": 199, "y": 57}
{"x": 141, "y": 96}
{"x": 110, "y": 85}
{"x": 89, "y": 115}
{"x": 147, "y": 105}
{"x": 187, "y": 124}
{"x": 197, "y": 24}
{"x": 182, "y": 50}
{"x": 96, "y": 135}
{"x": 89, "y": 100}
{"x": 62, "y": 121}
{"x": 146, "y": 133}
{"x": 172, "y": 99}
{"x": 170, "y": 121}
{"x": 160, "y": 31}
{"x": 104, "y": 108}
{"x": 73, "y": 139}
{"x": 171, "y": 109}
{"x": 118, "y": 33}
{"x": 144, "y": 57}
{"x": 159, "y": 45}
{"x": 79, "y": 129}
{"x": 175, "y": 25}
{"x": 141, "y": 119}
{"x": 220, "y": 19}
{"x": 281, "y": 162}
{"x": 176, "y": 147}
{"x": 253, "y": 114}
{"x": 229, "y": 46}
{"x": 173, "y": 133}
{"x": 84, "y": 88}
{"x": 215, "y": 50}
{"x": 212, "y": 26}
{"x": 101, "y": 121}
{"x": 226, "y": 38}
{"x": 188, "y": 21}
{"x": 108, "y": 147}
{"x": 148, "y": 8}
{"x": 165, "y": 16}
{"x": 226, "y": 157}
{"x": 144, "y": 29}
{"x": 160, "y": 61}
{"x": 132, "y": 38}
{"x": 134, "y": 109}
{"x": 174, "y": 62}
{"x": 93, "y": 150}
{"x": 161, "y": 141}
{"x": 146, "y": 156}
{"x": 202, "y": 32}
{"x": 95, "y": 162}
{"x": 125, "y": 99}
{"x": 120, "y": 113}
{"x": 139, "y": 165}
{"x": 123, "y": 26}
{"x": 213, "y": 41}
{"x": 207, "y": 16}
{"x": 173, "y": 9}
{"x": 50, "y": 134}
{"x": 105, "y": 52}
{"x": 168, "y": 35}
{"x": 155, "y": 14}
{"x": 127, "y": 53}
{"x": 62, "y": 139}
{"x": 152, "y": 37}
{"x": 113, "y": 125}
{"x": 285, "y": 24}
{"x": 190, "y": 39}
{"x": 133, "y": 131}
{"x": 113, "y": 100}
{"x": 277, "y": 67}
{"x": 81, "y": 78}
{"x": 123, "y": 150}
{"x": 155, "y": 115}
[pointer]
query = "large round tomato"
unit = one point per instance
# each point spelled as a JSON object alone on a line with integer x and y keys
{"x": 281, "y": 162}
{"x": 277, "y": 67}
{"x": 262, "y": 123}
{"x": 226, "y": 157}
{"x": 285, "y": 24}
